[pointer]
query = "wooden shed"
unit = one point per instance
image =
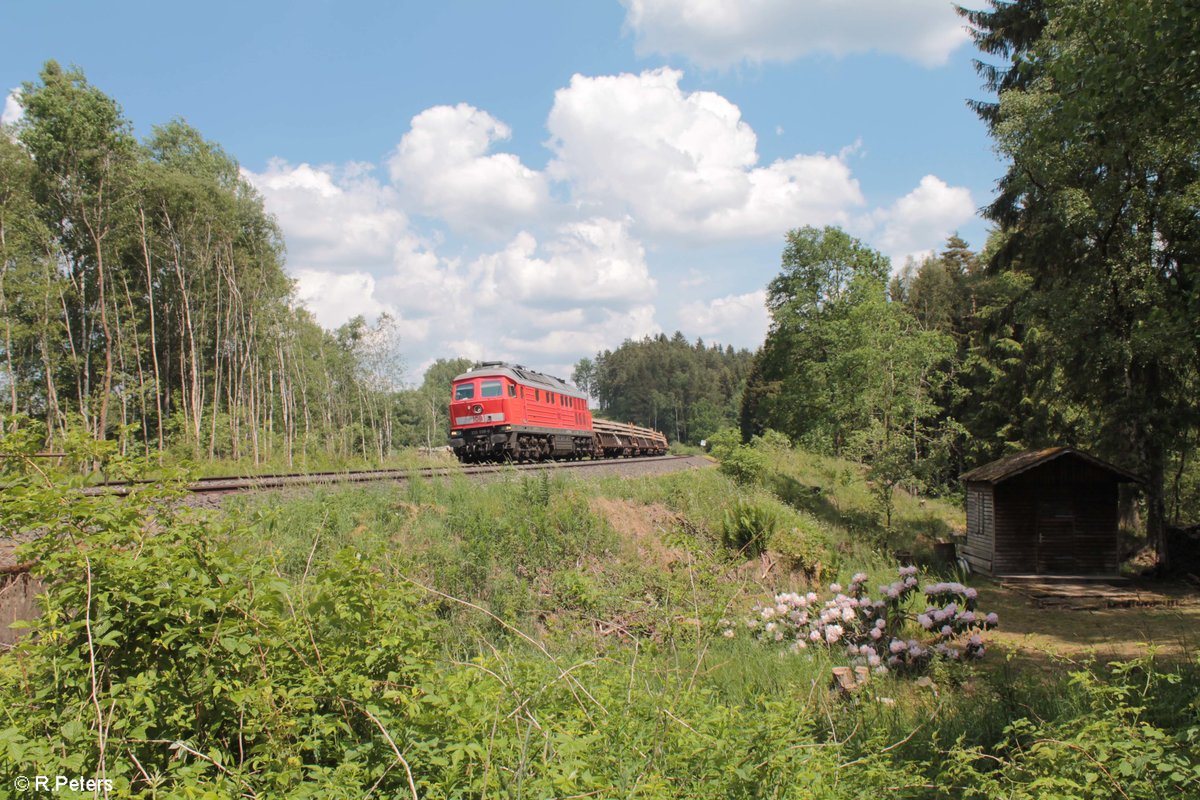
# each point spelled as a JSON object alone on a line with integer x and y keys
{"x": 1044, "y": 512}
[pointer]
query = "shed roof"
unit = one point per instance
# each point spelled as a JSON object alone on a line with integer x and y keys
{"x": 1010, "y": 466}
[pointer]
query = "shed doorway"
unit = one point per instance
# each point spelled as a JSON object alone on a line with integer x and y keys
{"x": 1057, "y": 538}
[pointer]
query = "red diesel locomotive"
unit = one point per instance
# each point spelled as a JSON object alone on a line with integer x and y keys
{"x": 506, "y": 412}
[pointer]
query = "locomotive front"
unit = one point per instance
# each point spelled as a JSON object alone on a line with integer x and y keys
{"x": 481, "y": 416}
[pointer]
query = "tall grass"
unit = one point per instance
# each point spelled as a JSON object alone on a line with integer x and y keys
{"x": 449, "y": 639}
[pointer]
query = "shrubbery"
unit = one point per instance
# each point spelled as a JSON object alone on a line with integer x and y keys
{"x": 183, "y": 656}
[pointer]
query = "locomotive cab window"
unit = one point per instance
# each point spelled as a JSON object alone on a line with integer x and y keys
{"x": 512, "y": 390}
{"x": 464, "y": 391}
{"x": 490, "y": 389}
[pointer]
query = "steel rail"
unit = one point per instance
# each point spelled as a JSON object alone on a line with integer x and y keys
{"x": 232, "y": 484}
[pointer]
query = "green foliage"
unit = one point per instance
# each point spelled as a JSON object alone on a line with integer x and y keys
{"x": 688, "y": 391}
{"x": 432, "y": 400}
{"x": 888, "y": 469}
{"x": 144, "y": 303}
{"x": 745, "y": 464}
{"x": 748, "y": 464}
{"x": 723, "y": 442}
{"x": 282, "y": 651}
{"x": 166, "y": 655}
{"x": 844, "y": 370}
{"x": 1097, "y": 208}
{"x": 575, "y": 590}
{"x": 1111, "y": 747}
{"x": 772, "y": 442}
{"x": 747, "y": 528}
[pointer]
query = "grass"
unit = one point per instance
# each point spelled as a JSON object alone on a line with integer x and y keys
{"x": 615, "y": 558}
{"x": 179, "y": 466}
{"x": 578, "y": 648}
{"x": 628, "y": 581}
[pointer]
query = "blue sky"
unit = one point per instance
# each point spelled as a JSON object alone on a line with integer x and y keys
{"x": 539, "y": 180}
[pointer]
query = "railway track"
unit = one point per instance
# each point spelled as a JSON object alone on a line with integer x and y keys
{"x": 231, "y": 485}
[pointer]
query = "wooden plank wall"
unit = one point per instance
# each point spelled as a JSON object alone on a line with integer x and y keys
{"x": 1058, "y": 518}
{"x": 1015, "y": 529}
{"x": 980, "y": 543}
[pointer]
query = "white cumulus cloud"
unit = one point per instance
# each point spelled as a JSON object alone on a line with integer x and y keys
{"x": 720, "y": 33}
{"x": 335, "y": 298}
{"x": 737, "y": 319}
{"x": 684, "y": 163}
{"x": 442, "y": 163}
{"x": 607, "y": 330}
{"x": 523, "y": 275}
{"x": 594, "y": 262}
{"x": 332, "y": 217}
{"x": 918, "y": 223}
{"x": 13, "y": 110}
{"x": 586, "y": 287}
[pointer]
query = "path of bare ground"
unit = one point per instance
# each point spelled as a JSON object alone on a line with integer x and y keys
{"x": 1105, "y": 634}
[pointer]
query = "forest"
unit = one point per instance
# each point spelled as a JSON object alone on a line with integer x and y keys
{"x": 145, "y": 304}
{"x": 1078, "y": 324}
{"x": 688, "y": 391}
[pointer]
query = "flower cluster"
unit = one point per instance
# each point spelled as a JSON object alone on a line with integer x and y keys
{"x": 871, "y": 631}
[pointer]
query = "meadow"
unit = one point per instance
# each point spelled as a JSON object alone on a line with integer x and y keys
{"x": 539, "y": 637}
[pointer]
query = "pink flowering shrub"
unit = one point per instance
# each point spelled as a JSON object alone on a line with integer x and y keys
{"x": 872, "y": 631}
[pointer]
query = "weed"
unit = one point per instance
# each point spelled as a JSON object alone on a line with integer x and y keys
{"x": 747, "y": 528}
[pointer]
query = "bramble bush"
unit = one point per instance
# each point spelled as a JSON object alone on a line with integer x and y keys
{"x": 1114, "y": 746}
{"x": 164, "y": 657}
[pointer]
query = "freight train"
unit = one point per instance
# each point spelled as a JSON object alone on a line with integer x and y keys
{"x": 507, "y": 412}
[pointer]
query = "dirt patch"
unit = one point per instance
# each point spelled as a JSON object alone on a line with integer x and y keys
{"x": 1095, "y": 596}
{"x": 1106, "y": 633}
{"x": 643, "y": 529}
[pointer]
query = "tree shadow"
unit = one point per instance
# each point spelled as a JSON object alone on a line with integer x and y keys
{"x": 813, "y": 500}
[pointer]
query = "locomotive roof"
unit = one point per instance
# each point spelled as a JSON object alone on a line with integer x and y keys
{"x": 523, "y": 375}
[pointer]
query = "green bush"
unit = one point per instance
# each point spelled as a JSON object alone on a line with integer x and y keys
{"x": 747, "y": 528}
{"x": 746, "y": 465}
{"x": 772, "y": 441}
{"x": 170, "y": 658}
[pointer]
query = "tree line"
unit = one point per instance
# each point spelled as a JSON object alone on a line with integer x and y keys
{"x": 688, "y": 391}
{"x": 143, "y": 301}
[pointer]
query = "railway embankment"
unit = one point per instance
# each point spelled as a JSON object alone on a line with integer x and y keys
{"x": 607, "y": 617}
